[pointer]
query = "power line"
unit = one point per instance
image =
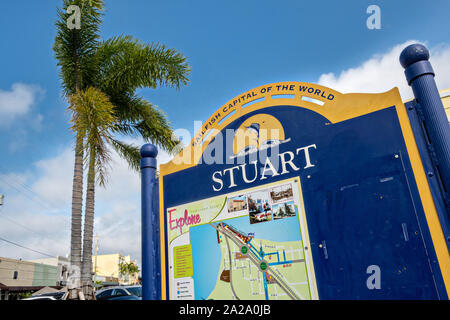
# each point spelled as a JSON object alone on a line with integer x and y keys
{"x": 17, "y": 223}
{"x": 20, "y": 225}
{"x": 67, "y": 223}
{"x": 33, "y": 197}
{"x": 30, "y": 194}
{"x": 19, "y": 245}
{"x": 11, "y": 220}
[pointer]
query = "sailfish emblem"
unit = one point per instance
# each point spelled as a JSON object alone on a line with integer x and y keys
{"x": 252, "y": 132}
{"x": 258, "y": 132}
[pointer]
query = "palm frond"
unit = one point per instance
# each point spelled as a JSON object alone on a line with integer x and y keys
{"x": 97, "y": 75}
{"x": 128, "y": 64}
{"x": 75, "y": 48}
{"x": 92, "y": 118}
{"x": 129, "y": 152}
{"x": 138, "y": 117}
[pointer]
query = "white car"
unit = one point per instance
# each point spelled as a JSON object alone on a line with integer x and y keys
{"x": 118, "y": 291}
{"x": 49, "y": 296}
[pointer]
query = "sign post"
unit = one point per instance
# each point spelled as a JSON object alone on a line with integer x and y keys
{"x": 150, "y": 257}
{"x": 420, "y": 76}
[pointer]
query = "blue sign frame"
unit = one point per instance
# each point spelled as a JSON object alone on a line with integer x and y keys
{"x": 363, "y": 144}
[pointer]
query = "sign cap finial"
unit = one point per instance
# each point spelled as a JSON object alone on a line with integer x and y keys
{"x": 149, "y": 151}
{"x": 414, "y": 53}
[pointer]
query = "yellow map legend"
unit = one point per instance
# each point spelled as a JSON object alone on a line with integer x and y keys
{"x": 183, "y": 261}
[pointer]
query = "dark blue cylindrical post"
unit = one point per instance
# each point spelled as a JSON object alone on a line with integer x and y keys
{"x": 149, "y": 215}
{"x": 420, "y": 77}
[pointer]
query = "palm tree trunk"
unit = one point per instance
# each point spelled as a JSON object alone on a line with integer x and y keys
{"x": 77, "y": 189}
{"x": 86, "y": 270}
{"x": 77, "y": 203}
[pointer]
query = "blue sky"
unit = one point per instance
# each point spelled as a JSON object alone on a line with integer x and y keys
{"x": 232, "y": 46}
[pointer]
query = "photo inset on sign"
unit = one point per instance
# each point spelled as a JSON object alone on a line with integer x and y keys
{"x": 238, "y": 203}
{"x": 281, "y": 194}
{"x": 284, "y": 210}
{"x": 259, "y": 209}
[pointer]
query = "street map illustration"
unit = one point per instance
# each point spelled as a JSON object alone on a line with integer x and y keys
{"x": 252, "y": 249}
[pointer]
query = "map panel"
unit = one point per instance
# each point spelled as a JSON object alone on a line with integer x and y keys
{"x": 248, "y": 245}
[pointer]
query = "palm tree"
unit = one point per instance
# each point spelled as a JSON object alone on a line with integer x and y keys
{"x": 101, "y": 77}
{"x": 127, "y": 269}
{"x": 73, "y": 51}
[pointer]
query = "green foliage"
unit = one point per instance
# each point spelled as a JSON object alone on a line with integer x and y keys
{"x": 24, "y": 295}
{"x": 128, "y": 268}
{"x": 75, "y": 48}
{"x": 92, "y": 118}
{"x": 118, "y": 67}
{"x": 128, "y": 64}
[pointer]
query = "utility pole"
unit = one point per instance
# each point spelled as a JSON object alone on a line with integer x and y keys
{"x": 1, "y": 199}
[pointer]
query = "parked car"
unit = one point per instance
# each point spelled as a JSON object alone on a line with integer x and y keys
{"x": 119, "y": 291}
{"x": 125, "y": 298}
{"x": 41, "y": 298}
{"x": 49, "y": 296}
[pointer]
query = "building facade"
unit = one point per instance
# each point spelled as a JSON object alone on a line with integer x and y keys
{"x": 445, "y": 96}
{"x": 62, "y": 264}
{"x": 18, "y": 276}
{"x": 107, "y": 266}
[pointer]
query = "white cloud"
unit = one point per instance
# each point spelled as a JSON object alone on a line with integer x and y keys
{"x": 55, "y": 183}
{"x": 34, "y": 230}
{"x": 18, "y": 102}
{"x": 35, "y": 211}
{"x": 119, "y": 230}
{"x": 118, "y": 208}
{"x": 383, "y": 71}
